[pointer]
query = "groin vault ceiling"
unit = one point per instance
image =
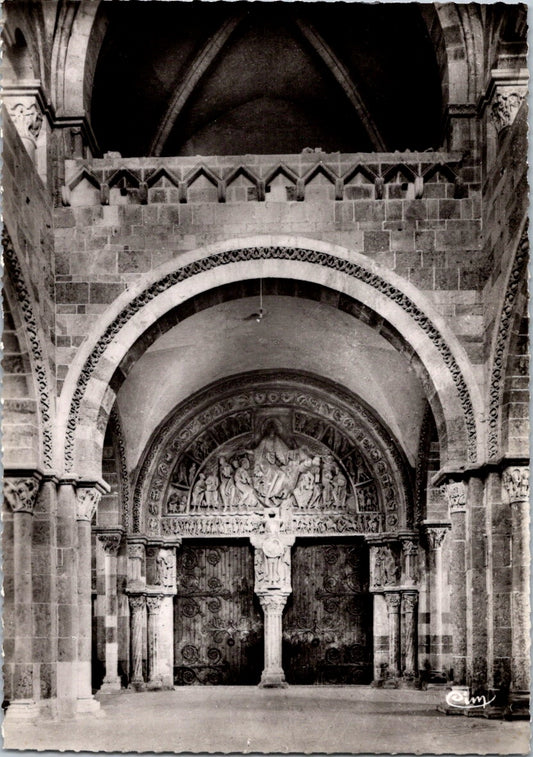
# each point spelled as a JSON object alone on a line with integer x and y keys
{"x": 236, "y": 78}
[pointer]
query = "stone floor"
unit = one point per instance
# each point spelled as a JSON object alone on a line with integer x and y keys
{"x": 300, "y": 719}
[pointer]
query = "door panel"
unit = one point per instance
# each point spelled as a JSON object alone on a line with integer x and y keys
{"x": 327, "y": 625}
{"x": 218, "y": 622}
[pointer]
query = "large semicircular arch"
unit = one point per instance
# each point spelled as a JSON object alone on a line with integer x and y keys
{"x": 87, "y": 385}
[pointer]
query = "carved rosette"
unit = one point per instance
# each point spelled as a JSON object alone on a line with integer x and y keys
{"x": 455, "y": 493}
{"x": 21, "y": 493}
{"x": 516, "y": 483}
{"x": 27, "y": 118}
{"x": 86, "y": 503}
{"x": 110, "y": 542}
{"x": 505, "y": 105}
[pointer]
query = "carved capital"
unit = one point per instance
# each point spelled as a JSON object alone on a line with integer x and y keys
{"x": 137, "y": 602}
{"x": 455, "y": 493}
{"x": 136, "y": 551}
{"x": 87, "y": 500}
{"x": 393, "y": 600}
{"x": 505, "y": 105}
{"x": 273, "y": 603}
{"x": 409, "y": 601}
{"x": 21, "y": 493}
{"x": 410, "y": 547}
{"x": 27, "y": 118}
{"x": 110, "y": 542}
{"x": 516, "y": 482}
{"x": 153, "y": 603}
{"x": 435, "y": 536}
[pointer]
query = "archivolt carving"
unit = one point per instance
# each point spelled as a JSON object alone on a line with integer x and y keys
{"x": 500, "y": 353}
{"x": 124, "y": 481}
{"x": 323, "y": 259}
{"x": 38, "y": 359}
{"x": 336, "y": 472}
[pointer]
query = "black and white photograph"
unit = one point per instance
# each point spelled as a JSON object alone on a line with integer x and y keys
{"x": 265, "y": 377}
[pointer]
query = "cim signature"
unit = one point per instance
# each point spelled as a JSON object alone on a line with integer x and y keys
{"x": 462, "y": 700}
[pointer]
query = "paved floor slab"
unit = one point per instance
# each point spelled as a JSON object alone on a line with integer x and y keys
{"x": 356, "y": 720}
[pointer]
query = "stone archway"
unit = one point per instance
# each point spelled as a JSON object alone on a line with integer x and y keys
{"x": 269, "y": 458}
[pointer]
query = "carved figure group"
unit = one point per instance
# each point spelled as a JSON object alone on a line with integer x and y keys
{"x": 270, "y": 475}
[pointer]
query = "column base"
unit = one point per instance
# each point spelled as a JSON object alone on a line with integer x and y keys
{"x": 110, "y": 684}
{"x": 137, "y": 685}
{"x": 87, "y": 705}
{"x": 159, "y": 684}
{"x": 21, "y": 710}
{"x": 273, "y": 679}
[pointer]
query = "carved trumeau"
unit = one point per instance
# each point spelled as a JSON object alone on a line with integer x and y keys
{"x": 21, "y": 493}
{"x": 455, "y": 493}
{"x": 87, "y": 500}
{"x": 516, "y": 482}
{"x": 272, "y": 559}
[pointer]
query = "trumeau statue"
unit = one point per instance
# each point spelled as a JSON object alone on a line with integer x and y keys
{"x": 275, "y": 472}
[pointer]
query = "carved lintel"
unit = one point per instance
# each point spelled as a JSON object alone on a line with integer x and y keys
{"x": 21, "y": 493}
{"x": 27, "y": 117}
{"x": 455, "y": 493}
{"x": 516, "y": 482}
{"x": 272, "y": 563}
{"x": 435, "y": 536}
{"x": 87, "y": 500}
{"x": 110, "y": 542}
{"x": 393, "y": 600}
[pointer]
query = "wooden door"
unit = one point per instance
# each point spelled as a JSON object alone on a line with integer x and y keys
{"x": 218, "y": 622}
{"x": 327, "y": 624}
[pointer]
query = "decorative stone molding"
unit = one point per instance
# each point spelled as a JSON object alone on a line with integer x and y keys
{"x": 501, "y": 347}
{"x": 516, "y": 482}
{"x": 456, "y": 493}
{"x": 323, "y": 259}
{"x": 21, "y": 493}
{"x": 39, "y": 362}
{"x": 114, "y": 418}
{"x": 87, "y": 500}
{"x": 110, "y": 542}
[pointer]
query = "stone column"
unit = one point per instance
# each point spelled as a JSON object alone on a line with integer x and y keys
{"x": 516, "y": 482}
{"x": 435, "y": 537}
{"x": 165, "y": 577}
{"x": 87, "y": 499}
{"x": 110, "y": 541}
{"x": 137, "y": 626}
{"x": 136, "y": 558}
{"x": 153, "y": 604}
{"x": 20, "y": 494}
{"x": 393, "y": 610}
{"x": 273, "y": 676}
{"x": 272, "y": 566}
{"x": 410, "y": 615}
{"x": 456, "y": 496}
